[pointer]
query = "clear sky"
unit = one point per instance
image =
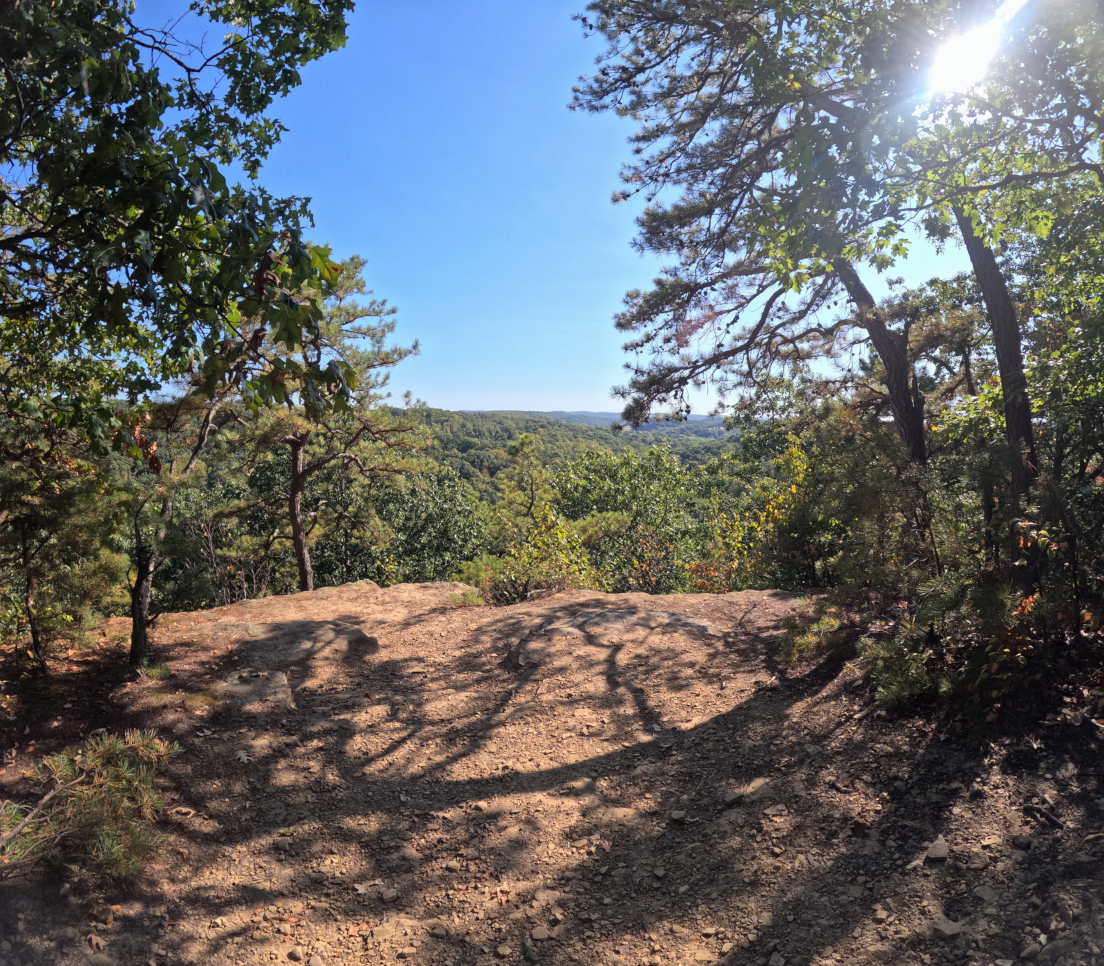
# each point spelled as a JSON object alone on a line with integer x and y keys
{"x": 438, "y": 145}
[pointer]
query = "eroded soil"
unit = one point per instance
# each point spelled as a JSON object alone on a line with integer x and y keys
{"x": 375, "y": 774}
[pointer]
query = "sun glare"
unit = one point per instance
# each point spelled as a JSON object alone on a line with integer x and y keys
{"x": 963, "y": 61}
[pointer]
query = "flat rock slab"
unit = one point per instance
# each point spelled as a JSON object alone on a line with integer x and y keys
{"x": 593, "y": 633}
{"x": 310, "y": 643}
{"x": 252, "y": 690}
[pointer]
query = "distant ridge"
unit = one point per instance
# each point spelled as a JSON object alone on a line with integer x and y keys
{"x": 602, "y": 419}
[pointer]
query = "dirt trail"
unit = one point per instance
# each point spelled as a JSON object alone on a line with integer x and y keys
{"x": 374, "y": 774}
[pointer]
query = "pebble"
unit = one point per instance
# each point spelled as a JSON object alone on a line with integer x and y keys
{"x": 659, "y": 872}
{"x": 879, "y": 951}
{"x": 439, "y": 931}
{"x": 678, "y": 815}
{"x": 727, "y": 948}
{"x": 709, "y": 931}
{"x": 284, "y": 929}
{"x": 390, "y": 895}
{"x": 1030, "y": 951}
{"x": 316, "y": 960}
{"x": 452, "y": 865}
{"x": 939, "y": 850}
{"x": 1022, "y": 842}
{"x": 540, "y": 933}
{"x": 101, "y": 959}
{"x": 295, "y": 954}
{"x": 702, "y": 956}
{"x": 503, "y": 951}
{"x": 777, "y": 959}
{"x": 407, "y": 952}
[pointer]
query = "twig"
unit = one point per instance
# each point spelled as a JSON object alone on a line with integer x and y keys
{"x": 1049, "y": 816}
{"x": 12, "y": 833}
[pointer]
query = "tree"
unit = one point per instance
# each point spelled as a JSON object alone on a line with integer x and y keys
{"x": 126, "y": 257}
{"x": 158, "y": 468}
{"x": 804, "y": 140}
{"x": 53, "y": 525}
{"x": 364, "y": 440}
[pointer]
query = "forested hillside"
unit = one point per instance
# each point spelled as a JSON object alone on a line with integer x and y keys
{"x": 474, "y": 444}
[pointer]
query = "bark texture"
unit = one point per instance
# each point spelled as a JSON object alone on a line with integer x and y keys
{"x": 905, "y": 399}
{"x": 1005, "y": 324}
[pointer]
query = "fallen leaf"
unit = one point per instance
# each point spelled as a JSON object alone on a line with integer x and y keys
{"x": 242, "y": 755}
{"x": 186, "y": 812}
{"x": 95, "y": 941}
{"x": 221, "y": 921}
{"x": 183, "y": 852}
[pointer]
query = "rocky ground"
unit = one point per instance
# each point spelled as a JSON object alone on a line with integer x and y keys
{"x": 377, "y": 774}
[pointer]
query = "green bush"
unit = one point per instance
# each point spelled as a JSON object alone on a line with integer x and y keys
{"x": 98, "y": 811}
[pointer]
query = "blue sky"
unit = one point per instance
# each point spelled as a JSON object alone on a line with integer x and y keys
{"x": 438, "y": 145}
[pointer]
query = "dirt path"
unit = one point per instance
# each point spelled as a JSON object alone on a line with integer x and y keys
{"x": 374, "y": 774}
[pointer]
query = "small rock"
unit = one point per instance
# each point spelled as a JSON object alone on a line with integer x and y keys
{"x": 679, "y": 930}
{"x": 977, "y": 862}
{"x": 991, "y": 841}
{"x": 880, "y": 915}
{"x": 295, "y": 954}
{"x": 945, "y": 929}
{"x": 659, "y": 872}
{"x": 1004, "y": 962}
{"x": 452, "y": 865}
{"x": 709, "y": 932}
{"x": 731, "y": 798}
{"x": 702, "y": 956}
{"x": 283, "y": 845}
{"x": 683, "y": 889}
{"x": 987, "y": 894}
{"x": 316, "y": 960}
{"x": 1054, "y": 950}
{"x": 284, "y": 929}
{"x": 390, "y": 895}
{"x": 727, "y": 948}
{"x": 439, "y": 931}
{"x": 939, "y": 850}
{"x": 503, "y": 951}
{"x": 878, "y": 951}
{"x": 407, "y": 952}
{"x": 1030, "y": 951}
{"x": 101, "y": 959}
{"x": 678, "y": 815}
{"x": 777, "y": 959}
{"x": 540, "y": 933}
{"x": 1022, "y": 842}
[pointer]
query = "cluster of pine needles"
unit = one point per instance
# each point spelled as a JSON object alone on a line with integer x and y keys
{"x": 98, "y": 812}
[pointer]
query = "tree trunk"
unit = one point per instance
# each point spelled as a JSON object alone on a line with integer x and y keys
{"x": 140, "y": 595}
{"x": 142, "y": 592}
{"x": 295, "y": 512}
{"x": 38, "y": 653}
{"x": 905, "y": 398}
{"x": 1006, "y": 340}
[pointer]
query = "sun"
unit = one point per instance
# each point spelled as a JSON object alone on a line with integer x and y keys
{"x": 963, "y": 61}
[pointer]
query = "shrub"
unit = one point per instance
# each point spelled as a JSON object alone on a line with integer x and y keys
{"x": 547, "y": 558}
{"x": 98, "y": 815}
